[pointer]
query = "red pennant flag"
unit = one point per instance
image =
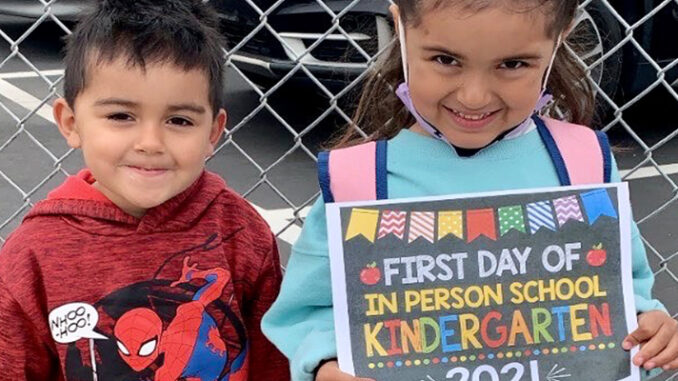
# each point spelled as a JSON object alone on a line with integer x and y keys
{"x": 481, "y": 222}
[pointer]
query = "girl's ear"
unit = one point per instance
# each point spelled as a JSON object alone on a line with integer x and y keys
{"x": 65, "y": 120}
{"x": 395, "y": 13}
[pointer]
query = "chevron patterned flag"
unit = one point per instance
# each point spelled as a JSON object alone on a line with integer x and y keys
{"x": 567, "y": 208}
{"x": 450, "y": 222}
{"x": 392, "y": 222}
{"x": 422, "y": 225}
{"x": 540, "y": 215}
{"x": 511, "y": 217}
{"x": 597, "y": 203}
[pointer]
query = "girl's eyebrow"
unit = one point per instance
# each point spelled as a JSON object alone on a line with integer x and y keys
{"x": 440, "y": 49}
{"x": 516, "y": 57}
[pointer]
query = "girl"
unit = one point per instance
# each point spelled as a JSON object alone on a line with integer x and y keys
{"x": 468, "y": 75}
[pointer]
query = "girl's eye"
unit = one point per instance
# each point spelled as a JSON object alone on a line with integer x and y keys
{"x": 445, "y": 60}
{"x": 120, "y": 117}
{"x": 513, "y": 65}
{"x": 182, "y": 122}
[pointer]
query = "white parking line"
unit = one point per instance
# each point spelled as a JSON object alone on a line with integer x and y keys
{"x": 645, "y": 172}
{"x": 25, "y": 100}
{"x": 31, "y": 74}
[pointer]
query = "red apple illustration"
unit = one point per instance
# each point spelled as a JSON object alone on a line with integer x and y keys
{"x": 371, "y": 274}
{"x": 596, "y": 256}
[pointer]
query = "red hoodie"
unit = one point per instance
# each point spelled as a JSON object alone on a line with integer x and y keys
{"x": 88, "y": 292}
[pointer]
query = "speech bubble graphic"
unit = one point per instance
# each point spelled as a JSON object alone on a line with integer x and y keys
{"x": 74, "y": 321}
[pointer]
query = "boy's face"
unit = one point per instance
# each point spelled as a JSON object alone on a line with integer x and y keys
{"x": 145, "y": 134}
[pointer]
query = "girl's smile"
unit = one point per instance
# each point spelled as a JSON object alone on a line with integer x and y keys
{"x": 475, "y": 75}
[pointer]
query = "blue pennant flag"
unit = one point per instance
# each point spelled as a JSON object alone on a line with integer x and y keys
{"x": 597, "y": 203}
{"x": 540, "y": 215}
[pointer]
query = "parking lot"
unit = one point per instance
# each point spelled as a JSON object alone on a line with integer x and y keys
{"x": 265, "y": 159}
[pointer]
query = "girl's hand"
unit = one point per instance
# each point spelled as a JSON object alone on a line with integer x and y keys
{"x": 658, "y": 335}
{"x": 329, "y": 371}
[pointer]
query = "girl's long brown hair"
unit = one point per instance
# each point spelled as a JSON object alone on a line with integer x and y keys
{"x": 381, "y": 115}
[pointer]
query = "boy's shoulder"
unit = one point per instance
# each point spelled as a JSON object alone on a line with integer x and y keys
{"x": 237, "y": 208}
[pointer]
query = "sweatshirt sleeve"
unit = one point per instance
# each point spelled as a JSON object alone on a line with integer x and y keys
{"x": 23, "y": 355}
{"x": 643, "y": 277}
{"x": 301, "y": 321}
{"x": 266, "y": 361}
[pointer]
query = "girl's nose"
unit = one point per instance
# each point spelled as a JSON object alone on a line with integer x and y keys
{"x": 474, "y": 93}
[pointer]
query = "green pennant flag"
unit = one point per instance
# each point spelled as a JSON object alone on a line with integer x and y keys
{"x": 511, "y": 217}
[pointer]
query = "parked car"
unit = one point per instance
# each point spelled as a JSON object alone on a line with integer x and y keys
{"x": 64, "y": 10}
{"x": 267, "y": 58}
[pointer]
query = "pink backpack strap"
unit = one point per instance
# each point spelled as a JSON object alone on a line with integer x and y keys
{"x": 355, "y": 173}
{"x": 580, "y": 154}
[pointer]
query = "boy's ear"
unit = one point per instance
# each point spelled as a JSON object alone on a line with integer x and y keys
{"x": 218, "y": 127}
{"x": 65, "y": 120}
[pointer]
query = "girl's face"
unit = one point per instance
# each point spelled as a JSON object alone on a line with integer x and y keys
{"x": 476, "y": 75}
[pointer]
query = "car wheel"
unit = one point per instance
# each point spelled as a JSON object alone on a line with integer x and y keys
{"x": 596, "y": 32}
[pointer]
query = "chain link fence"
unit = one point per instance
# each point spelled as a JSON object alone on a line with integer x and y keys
{"x": 294, "y": 69}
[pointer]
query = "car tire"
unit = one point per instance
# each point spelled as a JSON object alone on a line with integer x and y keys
{"x": 598, "y": 31}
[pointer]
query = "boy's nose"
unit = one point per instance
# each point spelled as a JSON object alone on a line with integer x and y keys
{"x": 150, "y": 139}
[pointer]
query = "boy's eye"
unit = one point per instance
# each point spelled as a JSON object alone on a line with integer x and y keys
{"x": 120, "y": 117}
{"x": 445, "y": 60}
{"x": 513, "y": 65}
{"x": 178, "y": 121}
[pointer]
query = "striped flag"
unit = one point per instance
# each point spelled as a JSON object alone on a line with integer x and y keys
{"x": 450, "y": 222}
{"x": 567, "y": 208}
{"x": 421, "y": 225}
{"x": 392, "y": 222}
{"x": 540, "y": 215}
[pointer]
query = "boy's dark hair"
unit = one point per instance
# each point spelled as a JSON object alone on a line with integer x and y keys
{"x": 182, "y": 32}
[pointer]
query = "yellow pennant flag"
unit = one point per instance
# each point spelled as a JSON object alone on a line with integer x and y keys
{"x": 363, "y": 222}
{"x": 451, "y": 223}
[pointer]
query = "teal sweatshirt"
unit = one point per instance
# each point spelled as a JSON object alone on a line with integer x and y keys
{"x": 301, "y": 324}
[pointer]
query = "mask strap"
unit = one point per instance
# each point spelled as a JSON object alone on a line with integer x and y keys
{"x": 403, "y": 47}
{"x": 550, "y": 67}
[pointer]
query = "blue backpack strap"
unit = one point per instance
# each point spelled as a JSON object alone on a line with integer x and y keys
{"x": 580, "y": 155}
{"x": 553, "y": 150}
{"x": 348, "y": 165}
{"x": 607, "y": 155}
{"x": 382, "y": 171}
{"x": 324, "y": 176}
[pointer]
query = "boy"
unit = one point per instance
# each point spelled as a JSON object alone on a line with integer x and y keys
{"x": 143, "y": 266}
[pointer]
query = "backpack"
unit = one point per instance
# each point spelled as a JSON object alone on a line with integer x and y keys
{"x": 358, "y": 173}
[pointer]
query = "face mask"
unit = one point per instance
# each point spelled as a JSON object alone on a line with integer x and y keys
{"x": 403, "y": 93}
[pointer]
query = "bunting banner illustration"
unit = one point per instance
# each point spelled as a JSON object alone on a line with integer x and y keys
{"x": 597, "y": 203}
{"x": 392, "y": 222}
{"x": 421, "y": 225}
{"x": 481, "y": 222}
{"x": 511, "y": 217}
{"x": 451, "y": 222}
{"x": 540, "y": 215}
{"x": 567, "y": 208}
{"x": 363, "y": 222}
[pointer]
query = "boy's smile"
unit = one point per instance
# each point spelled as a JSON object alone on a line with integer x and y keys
{"x": 145, "y": 134}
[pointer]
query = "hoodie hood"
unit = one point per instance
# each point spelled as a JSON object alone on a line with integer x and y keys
{"x": 86, "y": 208}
